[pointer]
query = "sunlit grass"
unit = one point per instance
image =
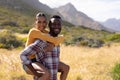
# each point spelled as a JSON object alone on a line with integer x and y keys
{"x": 89, "y": 63}
{"x": 11, "y": 68}
{"x": 85, "y": 63}
{"x": 21, "y": 35}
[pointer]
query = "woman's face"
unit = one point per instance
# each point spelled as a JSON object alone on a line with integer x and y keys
{"x": 41, "y": 23}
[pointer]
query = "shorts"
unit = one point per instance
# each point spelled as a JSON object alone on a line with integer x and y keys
{"x": 27, "y": 70}
{"x": 34, "y": 60}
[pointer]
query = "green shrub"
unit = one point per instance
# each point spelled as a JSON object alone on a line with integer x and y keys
{"x": 89, "y": 42}
{"x": 116, "y": 72}
{"x": 8, "y": 40}
{"x": 10, "y": 23}
{"x": 24, "y": 30}
{"x": 113, "y": 37}
{"x": 83, "y": 43}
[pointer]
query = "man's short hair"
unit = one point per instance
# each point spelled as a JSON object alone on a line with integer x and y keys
{"x": 56, "y": 16}
{"x": 52, "y": 19}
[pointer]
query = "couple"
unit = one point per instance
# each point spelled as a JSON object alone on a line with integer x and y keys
{"x": 46, "y": 53}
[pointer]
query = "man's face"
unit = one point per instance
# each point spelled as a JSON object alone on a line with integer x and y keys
{"x": 55, "y": 27}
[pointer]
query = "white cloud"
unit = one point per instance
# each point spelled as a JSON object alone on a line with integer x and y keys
{"x": 97, "y": 9}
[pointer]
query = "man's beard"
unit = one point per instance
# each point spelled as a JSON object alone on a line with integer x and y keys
{"x": 55, "y": 32}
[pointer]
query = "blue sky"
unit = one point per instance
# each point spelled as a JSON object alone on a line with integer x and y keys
{"x": 99, "y": 10}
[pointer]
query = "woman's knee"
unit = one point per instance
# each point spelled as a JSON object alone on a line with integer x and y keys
{"x": 47, "y": 73}
{"x": 67, "y": 68}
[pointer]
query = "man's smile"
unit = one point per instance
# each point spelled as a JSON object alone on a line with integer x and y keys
{"x": 57, "y": 30}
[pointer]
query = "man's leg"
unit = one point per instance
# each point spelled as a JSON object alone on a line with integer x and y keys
{"x": 64, "y": 69}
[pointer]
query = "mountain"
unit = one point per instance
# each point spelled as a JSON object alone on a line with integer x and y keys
{"x": 75, "y": 17}
{"x": 18, "y": 5}
{"x": 112, "y": 24}
{"x": 40, "y": 6}
{"x": 26, "y": 8}
{"x": 18, "y": 16}
{"x": 35, "y": 4}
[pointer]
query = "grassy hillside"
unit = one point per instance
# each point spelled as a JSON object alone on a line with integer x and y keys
{"x": 19, "y": 18}
{"x": 19, "y": 13}
{"x": 80, "y": 35}
{"x": 85, "y": 64}
{"x": 15, "y": 21}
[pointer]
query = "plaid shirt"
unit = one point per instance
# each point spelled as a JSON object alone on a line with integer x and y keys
{"x": 35, "y": 48}
{"x": 51, "y": 62}
{"x": 48, "y": 59}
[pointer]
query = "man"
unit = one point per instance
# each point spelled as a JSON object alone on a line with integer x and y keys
{"x": 55, "y": 29}
{"x": 51, "y": 58}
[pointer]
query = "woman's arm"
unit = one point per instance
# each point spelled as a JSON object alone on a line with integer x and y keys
{"x": 34, "y": 33}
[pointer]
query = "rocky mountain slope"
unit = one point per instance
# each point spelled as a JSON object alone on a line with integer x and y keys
{"x": 75, "y": 17}
{"x": 112, "y": 24}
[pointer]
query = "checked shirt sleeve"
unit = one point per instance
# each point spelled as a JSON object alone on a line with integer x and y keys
{"x": 34, "y": 48}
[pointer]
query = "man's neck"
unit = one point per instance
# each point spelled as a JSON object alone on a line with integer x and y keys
{"x": 52, "y": 34}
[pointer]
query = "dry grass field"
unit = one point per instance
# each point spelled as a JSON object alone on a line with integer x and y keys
{"x": 85, "y": 63}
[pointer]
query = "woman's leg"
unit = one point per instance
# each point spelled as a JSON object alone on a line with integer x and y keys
{"x": 63, "y": 69}
{"x": 41, "y": 69}
{"x": 27, "y": 70}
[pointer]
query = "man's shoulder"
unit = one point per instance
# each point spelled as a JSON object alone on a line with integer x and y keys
{"x": 39, "y": 41}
